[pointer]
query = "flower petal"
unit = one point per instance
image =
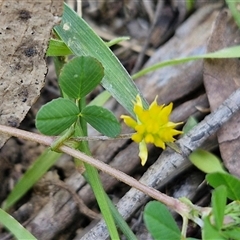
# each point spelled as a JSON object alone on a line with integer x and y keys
{"x": 141, "y": 129}
{"x": 155, "y": 109}
{"x": 138, "y": 110}
{"x": 136, "y": 137}
{"x": 129, "y": 121}
{"x": 149, "y": 138}
{"x": 143, "y": 152}
{"x": 158, "y": 142}
{"x": 165, "y": 112}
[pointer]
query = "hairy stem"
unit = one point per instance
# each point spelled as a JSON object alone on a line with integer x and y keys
{"x": 173, "y": 203}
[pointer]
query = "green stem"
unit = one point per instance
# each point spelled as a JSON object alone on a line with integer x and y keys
{"x": 60, "y": 140}
{"x": 81, "y": 105}
{"x": 121, "y": 223}
{"x": 98, "y": 190}
{"x": 184, "y": 227}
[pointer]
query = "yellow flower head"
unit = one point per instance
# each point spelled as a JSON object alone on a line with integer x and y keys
{"x": 152, "y": 126}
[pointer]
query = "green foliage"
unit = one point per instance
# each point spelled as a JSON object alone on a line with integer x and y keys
{"x": 209, "y": 232}
{"x": 160, "y": 222}
{"x": 234, "y": 8}
{"x": 206, "y": 161}
{"x": 219, "y": 200}
{"x": 191, "y": 122}
{"x": 80, "y": 76}
{"x": 231, "y": 52}
{"x": 224, "y": 223}
{"x": 231, "y": 183}
{"x": 57, "y": 48}
{"x": 232, "y": 234}
{"x": 32, "y": 175}
{"x": 100, "y": 99}
{"x": 15, "y": 227}
{"x": 116, "y": 41}
{"x": 56, "y": 116}
{"x": 232, "y": 217}
{"x": 190, "y": 4}
{"x": 102, "y": 120}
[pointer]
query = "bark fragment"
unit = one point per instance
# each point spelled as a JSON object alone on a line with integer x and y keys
{"x": 25, "y": 28}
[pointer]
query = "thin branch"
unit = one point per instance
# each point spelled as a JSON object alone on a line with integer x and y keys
{"x": 103, "y": 138}
{"x": 173, "y": 203}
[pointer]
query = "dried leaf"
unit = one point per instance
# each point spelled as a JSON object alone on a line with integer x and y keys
{"x": 221, "y": 78}
{"x": 25, "y": 28}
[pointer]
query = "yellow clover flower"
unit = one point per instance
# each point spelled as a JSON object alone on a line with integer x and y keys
{"x": 152, "y": 126}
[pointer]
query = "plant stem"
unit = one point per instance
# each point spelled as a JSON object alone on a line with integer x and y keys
{"x": 184, "y": 227}
{"x": 95, "y": 183}
{"x": 172, "y": 203}
{"x": 121, "y": 223}
{"x": 103, "y": 138}
{"x": 60, "y": 140}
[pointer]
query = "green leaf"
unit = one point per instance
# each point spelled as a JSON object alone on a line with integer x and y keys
{"x": 209, "y": 232}
{"x": 102, "y": 120}
{"x": 206, "y": 161}
{"x": 80, "y": 76}
{"x": 116, "y": 41}
{"x": 219, "y": 200}
{"x": 56, "y": 116}
{"x": 82, "y": 40}
{"x": 232, "y": 234}
{"x": 31, "y": 176}
{"x": 234, "y": 8}
{"x": 100, "y": 99}
{"x": 57, "y": 48}
{"x": 160, "y": 222}
{"x": 191, "y": 122}
{"x": 189, "y": 5}
{"x": 231, "y": 52}
{"x": 231, "y": 183}
{"x": 15, "y": 227}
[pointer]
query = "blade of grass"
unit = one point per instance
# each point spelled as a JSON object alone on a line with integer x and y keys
{"x": 33, "y": 174}
{"x": 234, "y": 8}
{"x": 15, "y": 227}
{"x": 231, "y": 52}
{"x": 57, "y": 48}
{"x": 121, "y": 223}
{"x": 116, "y": 41}
{"x": 96, "y": 185}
